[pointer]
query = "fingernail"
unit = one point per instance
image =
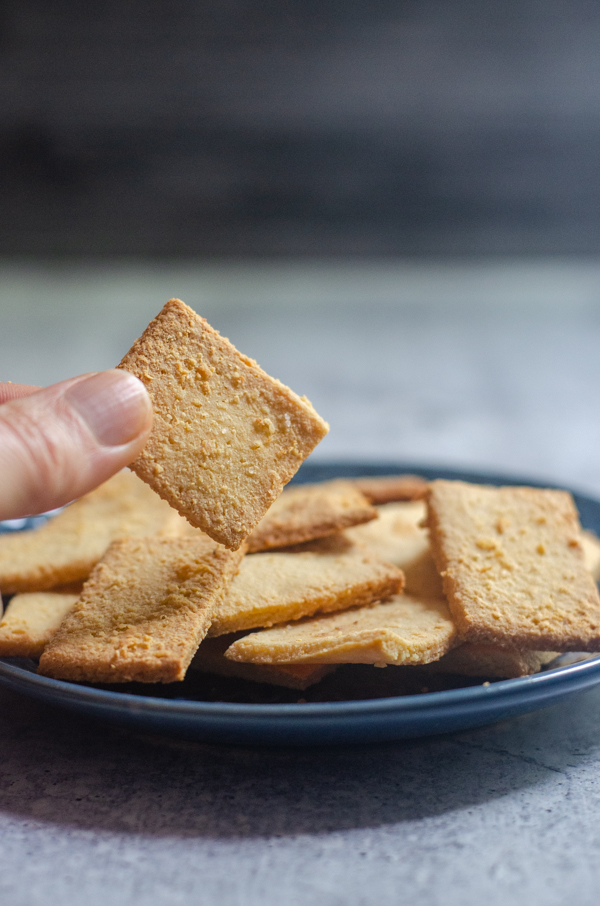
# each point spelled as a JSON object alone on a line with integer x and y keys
{"x": 114, "y": 405}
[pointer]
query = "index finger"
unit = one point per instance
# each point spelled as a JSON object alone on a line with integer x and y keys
{"x": 10, "y": 391}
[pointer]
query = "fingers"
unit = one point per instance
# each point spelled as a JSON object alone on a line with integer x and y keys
{"x": 15, "y": 391}
{"x": 58, "y": 443}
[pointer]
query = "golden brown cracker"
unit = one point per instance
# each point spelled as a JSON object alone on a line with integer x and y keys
{"x": 310, "y": 511}
{"x": 493, "y": 661}
{"x": 68, "y": 546}
{"x": 226, "y": 437}
{"x": 399, "y": 537}
{"x": 30, "y": 621}
{"x": 381, "y": 489}
{"x": 274, "y": 587}
{"x": 143, "y": 612}
{"x": 591, "y": 553}
{"x": 210, "y": 658}
{"x": 403, "y": 630}
{"x": 513, "y": 567}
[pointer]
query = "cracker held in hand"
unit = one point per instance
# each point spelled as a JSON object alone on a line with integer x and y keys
{"x": 210, "y": 658}
{"x": 398, "y": 536}
{"x": 226, "y": 437}
{"x": 311, "y": 511}
{"x": 68, "y": 546}
{"x": 493, "y": 661}
{"x": 403, "y": 630}
{"x": 30, "y": 621}
{"x": 143, "y": 612}
{"x": 513, "y": 566}
{"x": 274, "y": 587}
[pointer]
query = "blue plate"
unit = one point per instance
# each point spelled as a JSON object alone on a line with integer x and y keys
{"x": 372, "y": 719}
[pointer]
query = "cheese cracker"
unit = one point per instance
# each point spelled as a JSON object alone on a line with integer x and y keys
{"x": 310, "y": 511}
{"x": 68, "y": 546}
{"x": 273, "y": 587}
{"x": 391, "y": 488}
{"x": 513, "y": 566}
{"x": 30, "y": 621}
{"x": 403, "y": 630}
{"x": 398, "y": 536}
{"x": 226, "y": 437}
{"x": 142, "y": 613}
{"x": 210, "y": 658}
{"x": 494, "y": 661}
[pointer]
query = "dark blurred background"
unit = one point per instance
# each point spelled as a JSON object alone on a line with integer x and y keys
{"x": 299, "y": 127}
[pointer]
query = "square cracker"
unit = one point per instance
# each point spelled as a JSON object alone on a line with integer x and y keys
{"x": 226, "y": 437}
{"x": 403, "y": 630}
{"x": 399, "y": 537}
{"x": 210, "y": 658}
{"x": 381, "y": 489}
{"x": 67, "y": 547}
{"x": 30, "y": 621}
{"x": 310, "y": 511}
{"x": 494, "y": 661}
{"x": 327, "y": 575}
{"x": 143, "y": 612}
{"x": 513, "y": 566}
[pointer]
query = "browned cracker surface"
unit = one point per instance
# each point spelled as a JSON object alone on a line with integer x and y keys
{"x": 513, "y": 566}
{"x": 273, "y": 587}
{"x": 65, "y": 549}
{"x": 403, "y": 630}
{"x": 142, "y": 613}
{"x": 30, "y": 621}
{"x": 226, "y": 437}
{"x": 494, "y": 661}
{"x": 391, "y": 488}
{"x": 591, "y": 553}
{"x": 310, "y": 511}
{"x": 210, "y": 658}
{"x": 398, "y": 536}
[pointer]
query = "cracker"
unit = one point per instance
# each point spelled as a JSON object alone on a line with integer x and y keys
{"x": 142, "y": 613}
{"x": 273, "y": 587}
{"x": 591, "y": 553}
{"x": 391, "y": 488}
{"x": 210, "y": 658}
{"x": 398, "y": 536}
{"x": 310, "y": 511}
{"x": 30, "y": 621}
{"x": 403, "y": 630}
{"x": 513, "y": 567}
{"x": 226, "y": 437}
{"x": 68, "y": 546}
{"x": 494, "y": 661}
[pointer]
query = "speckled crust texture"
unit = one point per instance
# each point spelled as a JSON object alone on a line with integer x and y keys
{"x": 30, "y": 621}
{"x": 381, "y": 489}
{"x": 403, "y": 630}
{"x": 513, "y": 567}
{"x": 69, "y": 545}
{"x": 398, "y": 537}
{"x": 210, "y": 658}
{"x": 273, "y": 587}
{"x": 591, "y": 553}
{"x": 492, "y": 661}
{"x": 310, "y": 511}
{"x": 226, "y": 437}
{"x": 143, "y": 612}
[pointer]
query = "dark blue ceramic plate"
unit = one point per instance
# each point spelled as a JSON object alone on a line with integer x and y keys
{"x": 182, "y": 712}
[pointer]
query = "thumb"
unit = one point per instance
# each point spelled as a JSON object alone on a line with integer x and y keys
{"x": 60, "y": 442}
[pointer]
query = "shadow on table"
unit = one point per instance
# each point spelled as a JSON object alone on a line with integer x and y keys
{"x": 63, "y": 769}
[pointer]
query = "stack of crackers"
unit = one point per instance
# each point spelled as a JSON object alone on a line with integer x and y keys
{"x": 198, "y": 559}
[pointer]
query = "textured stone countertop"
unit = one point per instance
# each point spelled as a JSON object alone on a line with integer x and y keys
{"x": 493, "y": 366}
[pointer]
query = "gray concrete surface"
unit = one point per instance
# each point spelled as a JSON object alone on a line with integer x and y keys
{"x": 494, "y": 366}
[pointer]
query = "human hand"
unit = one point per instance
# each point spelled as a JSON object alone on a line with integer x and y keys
{"x": 60, "y": 442}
